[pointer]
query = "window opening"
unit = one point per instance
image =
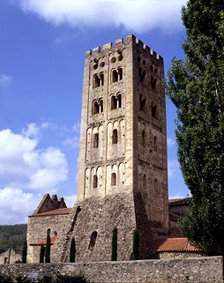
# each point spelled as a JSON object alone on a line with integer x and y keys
{"x": 96, "y": 109}
{"x": 154, "y": 111}
{"x": 119, "y": 100}
{"x": 113, "y": 179}
{"x": 96, "y": 81}
{"x": 153, "y": 83}
{"x": 102, "y": 79}
{"x": 114, "y": 136}
{"x": 101, "y": 105}
{"x": 120, "y": 73}
{"x": 113, "y": 102}
{"x": 92, "y": 241}
{"x": 95, "y": 181}
{"x": 96, "y": 141}
{"x": 114, "y": 76}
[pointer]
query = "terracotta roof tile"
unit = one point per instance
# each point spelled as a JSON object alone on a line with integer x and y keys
{"x": 175, "y": 245}
{"x": 43, "y": 242}
{"x": 179, "y": 201}
{"x": 59, "y": 211}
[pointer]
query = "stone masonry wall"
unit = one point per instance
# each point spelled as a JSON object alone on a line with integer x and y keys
{"x": 206, "y": 269}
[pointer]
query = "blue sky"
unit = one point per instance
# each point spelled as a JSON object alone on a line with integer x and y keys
{"x": 42, "y": 47}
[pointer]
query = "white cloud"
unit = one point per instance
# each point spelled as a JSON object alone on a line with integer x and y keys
{"x": 31, "y": 131}
{"x": 173, "y": 168}
{"x": 16, "y": 205}
{"x": 133, "y": 15}
{"x": 70, "y": 200}
{"x": 170, "y": 142}
{"x": 4, "y": 79}
{"x": 22, "y": 162}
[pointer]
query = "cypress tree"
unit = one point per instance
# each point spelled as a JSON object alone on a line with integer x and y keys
{"x": 48, "y": 248}
{"x": 42, "y": 250}
{"x": 114, "y": 245}
{"x": 72, "y": 250}
{"x": 196, "y": 87}
{"x": 24, "y": 252}
{"x": 135, "y": 245}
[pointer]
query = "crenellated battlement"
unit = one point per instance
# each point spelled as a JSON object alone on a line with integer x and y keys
{"x": 130, "y": 39}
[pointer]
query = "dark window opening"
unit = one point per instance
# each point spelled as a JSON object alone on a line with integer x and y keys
{"x": 142, "y": 103}
{"x": 48, "y": 232}
{"x": 155, "y": 143}
{"x": 102, "y": 79}
{"x": 120, "y": 73}
{"x": 101, "y": 105}
{"x": 141, "y": 74}
{"x": 96, "y": 141}
{"x": 119, "y": 100}
{"x": 113, "y": 179}
{"x": 154, "y": 111}
{"x": 96, "y": 108}
{"x": 153, "y": 83}
{"x": 96, "y": 81}
{"x": 114, "y": 137}
{"x": 92, "y": 241}
{"x": 5, "y": 260}
{"x": 114, "y": 76}
{"x": 143, "y": 138}
{"x": 95, "y": 181}
{"x": 113, "y": 103}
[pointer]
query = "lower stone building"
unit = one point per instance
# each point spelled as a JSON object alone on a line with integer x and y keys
{"x": 10, "y": 256}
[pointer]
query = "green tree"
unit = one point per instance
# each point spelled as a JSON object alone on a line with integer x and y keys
{"x": 24, "y": 252}
{"x": 42, "y": 252}
{"x": 114, "y": 244}
{"x": 196, "y": 87}
{"x": 72, "y": 250}
{"x": 48, "y": 248}
{"x": 135, "y": 245}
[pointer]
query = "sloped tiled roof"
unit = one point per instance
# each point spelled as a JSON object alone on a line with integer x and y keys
{"x": 179, "y": 201}
{"x": 43, "y": 242}
{"x": 175, "y": 245}
{"x": 59, "y": 211}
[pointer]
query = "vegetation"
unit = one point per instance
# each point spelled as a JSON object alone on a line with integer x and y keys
{"x": 48, "y": 248}
{"x": 72, "y": 250}
{"x": 12, "y": 236}
{"x": 42, "y": 252}
{"x": 196, "y": 87}
{"x": 114, "y": 245}
{"x": 135, "y": 245}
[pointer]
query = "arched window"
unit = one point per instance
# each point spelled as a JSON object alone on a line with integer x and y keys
{"x": 113, "y": 179}
{"x": 154, "y": 111}
{"x": 119, "y": 100}
{"x": 113, "y": 102}
{"x": 120, "y": 73}
{"x": 96, "y": 140}
{"x": 114, "y": 136}
{"x": 143, "y": 138}
{"x": 101, "y": 105}
{"x": 95, "y": 181}
{"x": 142, "y": 74}
{"x": 153, "y": 83}
{"x": 102, "y": 79}
{"x": 114, "y": 76}
{"x": 96, "y": 81}
{"x": 144, "y": 182}
{"x": 95, "y": 108}
{"x": 142, "y": 103}
{"x": 92, "y": 241}
{"x": 155, "y": 143}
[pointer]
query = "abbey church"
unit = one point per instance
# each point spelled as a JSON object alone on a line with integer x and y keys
{"x": 122, "y": 177}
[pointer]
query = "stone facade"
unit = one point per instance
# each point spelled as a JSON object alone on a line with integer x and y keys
{"x": 10, "y": 256}
{"x": 122, "y": 177}
{"x": 206, "y": 269}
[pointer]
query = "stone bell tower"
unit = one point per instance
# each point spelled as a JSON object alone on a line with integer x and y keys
{"x": 122, "y": 178}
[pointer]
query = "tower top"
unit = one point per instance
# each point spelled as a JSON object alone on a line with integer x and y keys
{"x": 130, "y": 39}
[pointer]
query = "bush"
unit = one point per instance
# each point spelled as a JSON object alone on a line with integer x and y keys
{"x": 46, "y": 279}
{"x": 21, "y": 279}
{"x": 5, "y": 279}
{"x": 80, "y": 278}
